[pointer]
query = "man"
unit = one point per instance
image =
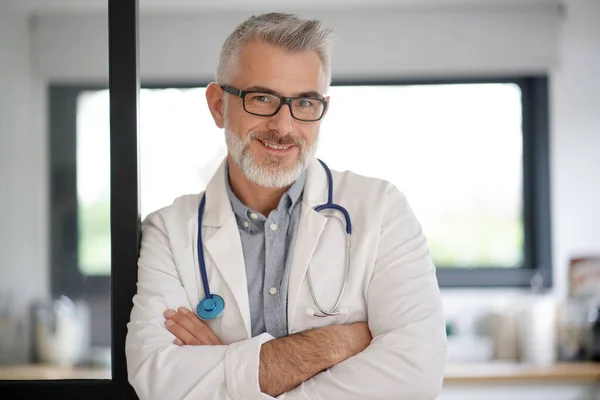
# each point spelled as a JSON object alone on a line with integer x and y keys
{"x": 267, "y": 251}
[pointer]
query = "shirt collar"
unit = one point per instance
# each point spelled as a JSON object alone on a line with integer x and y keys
{"x": 288, "y": 201}
{"x": 295, "y": 191}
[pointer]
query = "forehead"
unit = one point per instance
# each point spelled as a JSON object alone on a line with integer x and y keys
{"x": 262, "y": 64}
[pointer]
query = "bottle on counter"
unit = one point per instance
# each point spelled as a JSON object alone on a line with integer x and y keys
{"x": 537, "y": 326}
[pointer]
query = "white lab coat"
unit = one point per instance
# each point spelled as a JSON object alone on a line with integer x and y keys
{"x": 392, "y": 285}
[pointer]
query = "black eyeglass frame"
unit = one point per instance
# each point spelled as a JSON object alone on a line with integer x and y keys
{"x": 282, "y": 100}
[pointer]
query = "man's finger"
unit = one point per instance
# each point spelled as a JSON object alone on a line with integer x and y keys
{"x": 188, "y": 328}
{"x": 192, "y": 326}
{"x": 181, "y": 333}
{"x": 201, "y": 329}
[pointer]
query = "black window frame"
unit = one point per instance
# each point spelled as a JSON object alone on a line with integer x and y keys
{"x": 536, "y": 188}
{"x": 536, "y": 270}
{"x": 67, "y": 278}
{"x": 125, "y": 217}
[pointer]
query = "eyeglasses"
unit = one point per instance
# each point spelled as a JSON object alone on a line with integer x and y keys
{"x": 307, "y": 109}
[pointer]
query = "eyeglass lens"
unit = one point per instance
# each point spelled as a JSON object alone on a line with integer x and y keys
{"x": 266, "y": 104}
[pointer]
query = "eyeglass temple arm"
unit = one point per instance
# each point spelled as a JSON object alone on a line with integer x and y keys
{"x": 232, "y": 90}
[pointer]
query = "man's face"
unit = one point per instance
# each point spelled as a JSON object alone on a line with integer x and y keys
{"x": 273, "y": 151}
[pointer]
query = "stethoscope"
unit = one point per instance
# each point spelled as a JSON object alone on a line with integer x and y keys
{"x": 212, "y": 305}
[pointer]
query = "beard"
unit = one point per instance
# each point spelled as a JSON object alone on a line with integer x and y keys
{"x": 271, "y": 170}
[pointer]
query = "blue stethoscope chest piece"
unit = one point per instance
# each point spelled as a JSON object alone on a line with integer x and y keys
{"x": 211, "y": 308}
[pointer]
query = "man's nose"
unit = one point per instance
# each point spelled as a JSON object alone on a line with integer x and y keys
{"x": 282, "y": 122}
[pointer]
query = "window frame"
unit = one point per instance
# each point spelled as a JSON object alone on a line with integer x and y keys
{"x": 67, "y": 279}
{"x": 537, "y": 263}
{"x": 125, "y": 216}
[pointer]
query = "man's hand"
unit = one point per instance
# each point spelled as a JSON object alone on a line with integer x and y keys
{"x": 189, "y": 329}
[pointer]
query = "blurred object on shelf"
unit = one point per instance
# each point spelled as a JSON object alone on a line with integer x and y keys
{"x": 572, "y": 328}
{"x": 504, "y": 333}
{"x": 584, "y": 291}
{"x": 7, "y": 327}
{"x": 62, "y": 332}
{"x": 537, "y": 330}
{"x": 13, "y": 331}
{"x": 466, "y": 346}
{"x": 593, "y": 337}
{"x": 101, "y": 357}
{"x": 470, "y": 349}
{"x": 584, "y": 277}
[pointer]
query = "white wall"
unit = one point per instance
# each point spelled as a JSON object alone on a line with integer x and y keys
{"x": 575, "y": 122}
{"x": 388, "y": 43}
{"x": 23, "y": 246}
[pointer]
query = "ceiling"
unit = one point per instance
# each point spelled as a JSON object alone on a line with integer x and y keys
{"x": 84, "y": 6}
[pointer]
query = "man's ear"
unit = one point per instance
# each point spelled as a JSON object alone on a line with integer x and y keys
{"x": 328, "y": 99}
{"x": 215, "y": 100}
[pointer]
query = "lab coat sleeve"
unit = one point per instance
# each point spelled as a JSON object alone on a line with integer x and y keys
{"x": 158, "y": 369}
{"x": 406, "y": 359}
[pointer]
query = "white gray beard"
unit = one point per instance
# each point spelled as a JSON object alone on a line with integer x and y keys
{"x": 273, "y": 175}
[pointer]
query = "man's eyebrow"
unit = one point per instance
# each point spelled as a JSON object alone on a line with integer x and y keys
{"x": 311, "y": 93}
{"x": 263, "y": 89}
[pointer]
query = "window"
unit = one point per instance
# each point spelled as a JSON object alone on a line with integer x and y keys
{"x": 471, "y": 157}
{"x": 454, "y": 150}
{"x": 93, "y": 182}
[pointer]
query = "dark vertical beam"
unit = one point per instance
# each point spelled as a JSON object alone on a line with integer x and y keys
{"x": 543, "y": 217}
{"x": 529, "y": 182}
{"x": 66, "y": 278}
{"x": 536, "y": 151}
{"x": 124, "y": 84}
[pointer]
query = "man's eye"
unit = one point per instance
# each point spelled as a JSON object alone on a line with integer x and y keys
{"x": 305, "y": 103}
{"x": 261, "y": 99}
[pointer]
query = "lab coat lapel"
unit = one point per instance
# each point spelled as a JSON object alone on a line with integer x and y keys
{"x": 224, "y": 246}
{"x": 310, "y": 226}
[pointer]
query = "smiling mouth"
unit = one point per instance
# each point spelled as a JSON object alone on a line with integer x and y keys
{"x": 278, "y": 147}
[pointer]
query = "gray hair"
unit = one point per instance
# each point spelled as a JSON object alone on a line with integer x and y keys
{"x": 286, "y": 31}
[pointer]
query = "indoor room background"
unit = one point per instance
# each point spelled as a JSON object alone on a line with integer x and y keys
{"x": 485, "y": 113}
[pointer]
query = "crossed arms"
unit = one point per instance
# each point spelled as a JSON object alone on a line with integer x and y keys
{"x": 285, "y": 362}
{"x": 404, "y": 360}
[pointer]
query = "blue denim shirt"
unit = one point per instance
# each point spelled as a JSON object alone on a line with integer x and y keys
{"x": 267, "y": 244}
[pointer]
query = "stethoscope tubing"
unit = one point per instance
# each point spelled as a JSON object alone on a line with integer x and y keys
{"x": 212, "y": 305}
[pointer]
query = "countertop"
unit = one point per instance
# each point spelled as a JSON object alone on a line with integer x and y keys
{"x": 510, "y": 373}
{"x": 455, "y": 373}
{"x": 44, "y": 372}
